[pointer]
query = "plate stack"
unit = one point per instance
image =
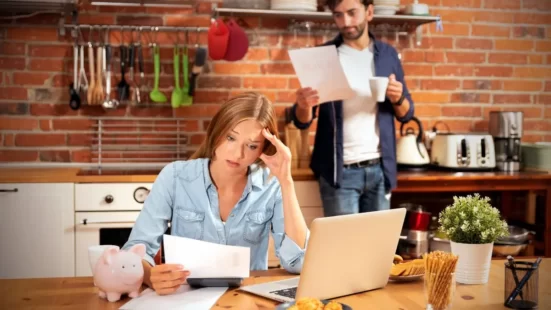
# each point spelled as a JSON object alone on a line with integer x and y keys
{"x": 385, "y": 7}
{"x": 294, "y": 5}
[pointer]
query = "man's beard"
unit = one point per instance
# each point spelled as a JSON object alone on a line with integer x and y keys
{"x": 359, "y": 32}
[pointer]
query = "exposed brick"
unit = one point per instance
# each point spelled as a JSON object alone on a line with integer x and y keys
{"x": 294, "y": 83}
{"x": 236, "y": 68}
{"x": 455, "y": 29}
{"x": 494, "y": 71}
{"x": 543, "y": 99}
{"x": 547, "y": 113}
{"x": 8, "y": 108}
{"x": 440, "y": 84}
{"x": 434, "y": 56}
{"x": 507, "y": 58}
{"x": 453, "y": 15}
{"x": 279, "y": 54}
{"x": 50, "y": 65}
{"x": 45, "y": 124}
{"x": 528, "y": 31}
{"x": 18, "y": 156}
{"x": 42, "y": 109}
{"x": 543, "y": 46}
{"x": 12, "y": 63}
{"x": 271, "y": 95}
{"x": 532, "y": 18}
{"x": 203, "y": 96}
{"x": 55, "y": 156}
{"x": 431, "y": 97}
{"x": 483, "y": 44}
{"x": 532, "y": 72}
{"x": 32, "y": 34}
{"x": 220, "y": 82}
{"x": 12, "y": 48}
{"x": 30, "y": 78}
{"x": 187, "y": 21}
{"x": 491, "y": 31}
{"x": 483, "y": 17}
{"x": 264, "y": 82}
{"x": 417, "y": 70}
{"x": 522, "y": 85}
{"x": 536, "y": 59}
{"x": 18, "y": 124}
{"x": 502, "y": 4}
{"x": 428, "y": 110}
{"x": 413, "y": 56}
{"x": 465, "y": 57}
{"x": 540, "y": 5}
{"x": 81, "y": 156}
{"x": 537, "y": 125}
{"x": 257, "y": 54}
{"x": 470, "y": 98}
{"x": 451, "y": 70}
{"x": 53, "y": 51}
{"x": 40, "y": 139}
{"x": 96, "y": 19}
{"x": 462, "y": 3}
{"x": 512, "y": 98}
{"x": 9, "y": 139}
{"x": 13, "y": 93}
{"x": 529, "y": 112}
{"x": 206, "y": 110}
{"x": 277, "y": 68}
{"x": 286, "y": 96}
{"x": 548, "y": 86}
{"x": 462, "y": 111}
{"x": 436, "y": 42}
{"x": 72, "y": 124}
{"x": 481, "y": 84}
{"x": 140, "y": 20}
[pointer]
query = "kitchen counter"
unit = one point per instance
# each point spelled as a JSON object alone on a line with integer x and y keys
{"x": 78, "y": 175}
{"x": 80, "y": 293}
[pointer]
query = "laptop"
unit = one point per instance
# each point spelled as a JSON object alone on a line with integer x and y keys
{"x": 346, "y": 254}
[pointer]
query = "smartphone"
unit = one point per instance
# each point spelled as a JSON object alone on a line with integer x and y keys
{"x": 215, "y": 282}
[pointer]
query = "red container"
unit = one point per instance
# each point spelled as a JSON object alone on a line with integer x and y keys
{"x": 417, "y": 218}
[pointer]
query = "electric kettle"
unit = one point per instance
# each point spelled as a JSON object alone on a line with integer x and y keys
{"x": 411, "y": 153}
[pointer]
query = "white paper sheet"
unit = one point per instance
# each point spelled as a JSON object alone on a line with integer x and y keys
{"x": 184, "y": 298}
{"x": 320, "y": 69}
{"x": 206, "y": 259}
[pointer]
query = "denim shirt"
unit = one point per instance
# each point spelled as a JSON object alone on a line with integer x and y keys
{"x": 184, "y": 195}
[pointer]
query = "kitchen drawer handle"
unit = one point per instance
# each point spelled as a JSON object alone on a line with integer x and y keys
{"x": 15, "y": 190}
{"x": 86, "y": 222}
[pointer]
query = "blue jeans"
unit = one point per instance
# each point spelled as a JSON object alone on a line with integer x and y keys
{"x": 362, "y": 190}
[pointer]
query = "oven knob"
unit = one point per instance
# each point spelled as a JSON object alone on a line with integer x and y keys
{"x": 109, "y": 198}
{"x": 140, "y": 194}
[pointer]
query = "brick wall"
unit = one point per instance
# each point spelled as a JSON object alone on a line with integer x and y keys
{"x": 492, "y": 55}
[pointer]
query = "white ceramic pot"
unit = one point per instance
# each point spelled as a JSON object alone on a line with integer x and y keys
{"x": 473, "y": 265}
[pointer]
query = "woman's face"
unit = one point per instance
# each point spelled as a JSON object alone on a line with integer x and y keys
{"x": 241, "y": 146}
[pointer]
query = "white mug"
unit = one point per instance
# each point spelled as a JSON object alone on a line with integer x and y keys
{"x": 95, "y": 252}
{"x": 378, "y": 87}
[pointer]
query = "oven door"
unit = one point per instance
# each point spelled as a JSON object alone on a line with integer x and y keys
{"x": 100, "y": 228}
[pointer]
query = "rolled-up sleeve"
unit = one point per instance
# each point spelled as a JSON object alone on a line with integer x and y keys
{"x": 400, "y": 76}
{"x": 297, "y": 122}
{"x": 152, "y": 222}
{"x": 290, "y": 254}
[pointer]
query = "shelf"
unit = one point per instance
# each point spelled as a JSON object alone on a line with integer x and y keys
{"x": 413, "y": 21}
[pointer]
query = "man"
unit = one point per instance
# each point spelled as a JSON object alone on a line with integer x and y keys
{"x": 354, "y": 154}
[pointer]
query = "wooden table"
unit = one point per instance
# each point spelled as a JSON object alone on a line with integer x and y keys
{"x": 79, "y": 293}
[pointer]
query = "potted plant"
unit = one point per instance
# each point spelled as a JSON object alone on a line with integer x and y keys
{"x": 472, "y": 225}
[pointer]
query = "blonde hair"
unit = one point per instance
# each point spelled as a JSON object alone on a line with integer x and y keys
{"x": 246, "y": 106}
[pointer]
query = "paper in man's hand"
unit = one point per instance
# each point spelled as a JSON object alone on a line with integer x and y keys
{"x": 320, "y": 69}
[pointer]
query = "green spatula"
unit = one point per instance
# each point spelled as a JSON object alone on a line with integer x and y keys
{"x": 156, "y": 95}
{"x": 186, "y": 98}
{"x": 176, "y": 97}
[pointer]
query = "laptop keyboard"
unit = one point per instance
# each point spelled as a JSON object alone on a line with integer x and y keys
{"x": 288, "y": 292}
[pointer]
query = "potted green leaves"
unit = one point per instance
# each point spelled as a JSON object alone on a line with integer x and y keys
{"x": 472, "y": 225}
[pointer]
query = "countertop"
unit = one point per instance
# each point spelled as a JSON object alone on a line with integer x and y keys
{"x": 80, "y": 175}
{"x": 80, "y": 293}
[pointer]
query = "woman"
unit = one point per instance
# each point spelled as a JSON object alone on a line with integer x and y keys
{"x": 235, "y": 188}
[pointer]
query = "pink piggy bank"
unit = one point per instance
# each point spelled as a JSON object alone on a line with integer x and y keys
{"x": 119, "y": 272}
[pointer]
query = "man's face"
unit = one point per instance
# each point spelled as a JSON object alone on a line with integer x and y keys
{"x": 351, "y": 17}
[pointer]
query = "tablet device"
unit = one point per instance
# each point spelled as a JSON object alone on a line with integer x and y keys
{"x": 214, "y": 282}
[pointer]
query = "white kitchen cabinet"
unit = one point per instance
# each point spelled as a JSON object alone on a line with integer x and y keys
{"x": 37, "y": 230}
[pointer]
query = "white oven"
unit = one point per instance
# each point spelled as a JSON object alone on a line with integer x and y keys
{"x": 104, "y": 215}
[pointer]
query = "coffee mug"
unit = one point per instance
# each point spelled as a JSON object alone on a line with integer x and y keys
{"x": 378, "y": 87}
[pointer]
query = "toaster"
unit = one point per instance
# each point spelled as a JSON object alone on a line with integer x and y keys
{"x": 463, "y": 151}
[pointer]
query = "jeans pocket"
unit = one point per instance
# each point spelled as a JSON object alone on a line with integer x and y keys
{"x": 256, "y": 224}
{"x": 190, "y": 223}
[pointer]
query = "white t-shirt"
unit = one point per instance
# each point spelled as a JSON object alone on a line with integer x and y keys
{"x": 360, "y": 127}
